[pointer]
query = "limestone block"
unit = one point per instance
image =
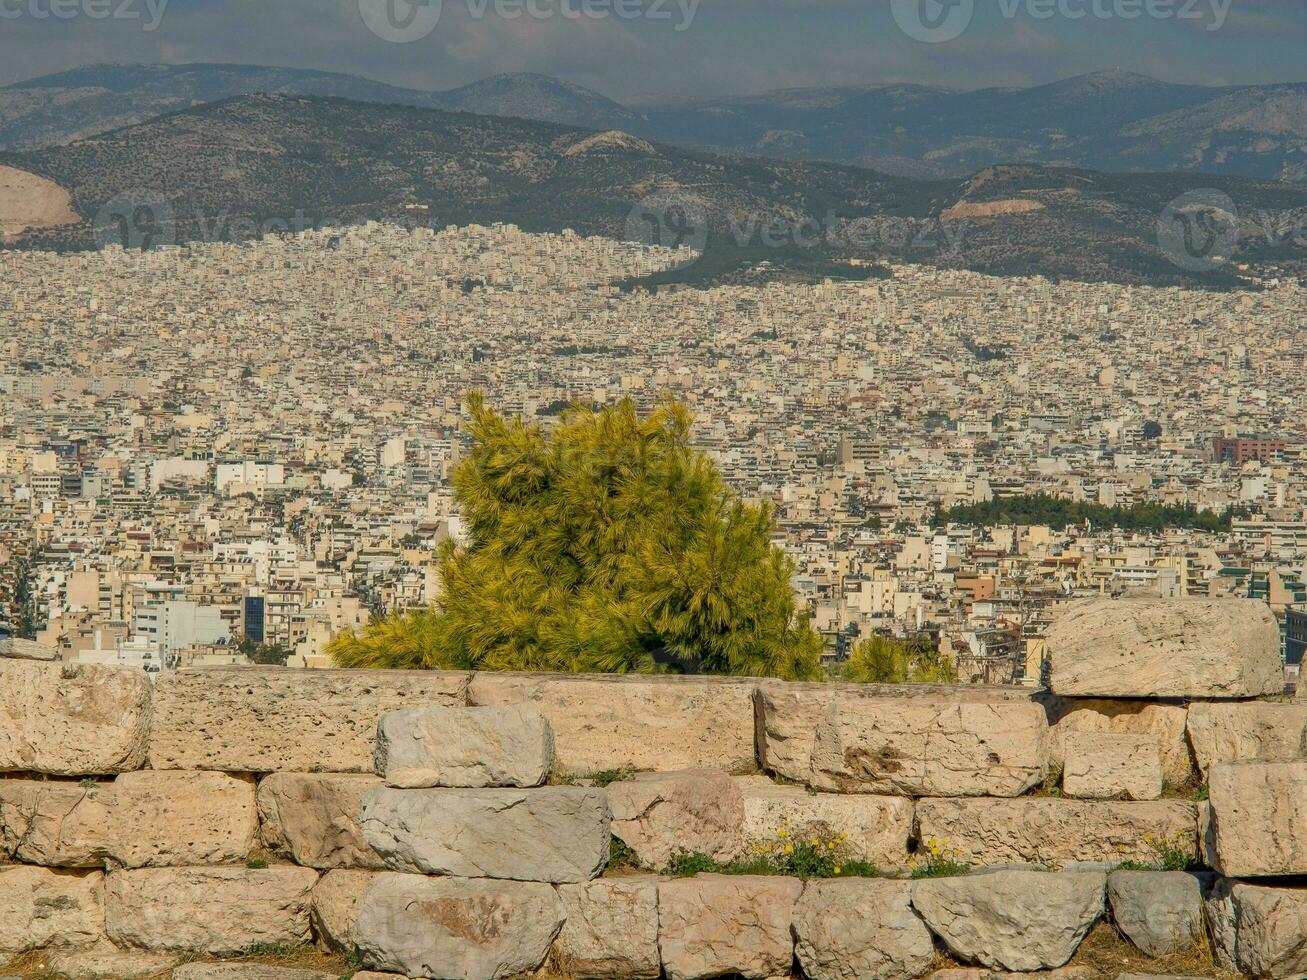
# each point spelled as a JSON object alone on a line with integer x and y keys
{"x": 457, "y": 928}
{"x": 1259, "y": 931}
{"x": 1259, "y": 818}
{"x": 611, "y": 929}
{"x": 1105, "y": 766}
{"x": 713, "y": 925}
{"x": 264, "y": 720}
{"x": 141, "y": 819}
{"x": 861, "y": 928}
{"x": 557, "y": 834}
{"x": 876, "y": 828}
{"x": 208, "y": 910}
{"x": 1162, "y": 648}
{"x": 1165, "y": 722}
{"x": 466, "y": 747}
{"x": 603, "y": 723}
{"x": 1056, "y": 832}
{"x": 337, "y": 899}
{"x": 1013, "y": 920}
{"x": 1247, "y": 731}
{"x": 927, "y": 747}
{"x": 72, "y": 719}
{"x": 40, "y": 907}
{"x": 1161, "y": 912}
{"x": 315, "y": 819}
{"x": 699, "y": 811}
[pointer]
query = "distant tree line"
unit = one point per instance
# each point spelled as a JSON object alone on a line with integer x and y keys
{"x": 1042, "y": 509}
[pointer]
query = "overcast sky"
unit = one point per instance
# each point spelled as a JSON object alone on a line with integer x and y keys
{"x": 676, "y": 49}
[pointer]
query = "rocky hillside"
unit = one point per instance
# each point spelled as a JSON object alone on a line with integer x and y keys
{"x": 231, "y": 168}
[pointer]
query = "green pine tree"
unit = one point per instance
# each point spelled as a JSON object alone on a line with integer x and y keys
{"x": 881, "y": 660}
{"x": 610, "y": 545}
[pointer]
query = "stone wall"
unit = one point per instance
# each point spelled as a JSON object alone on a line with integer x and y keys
{"x": 462, "y": 825}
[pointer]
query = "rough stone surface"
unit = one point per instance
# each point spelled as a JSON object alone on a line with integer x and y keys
{"x": 1259, "y": 931}
{"x": 877, "y": 828}
{"x": 72, "y": 719}
{"x": 141, "y": 819}
{"x": 40, "y": 907}
{"x": 1013, "y": 920}
{"x": 712, "y": 925}
{"x": 273, "y": 720}
{"x": 105, "y": 961}
{"x": 787, "y": 714}
{"x": 929, "y": 747}
{"x": 246, "y": 971}
{"x": 1160, "y": 648}
{"x": 467, "y": 747}
{"x": 1165, "y": 722}
{"x": 698, "y": 810}
{"x": 1108, "y": 766}
{"x": 603, "y": 723}
{"x": 611, "y": 929}
{"x": 16, "y": 649}
{"x": 1247, "y": 731}
{"x": 558, "y": 834}
{"x": 337, "y": 898}
{"x": 1259, "y": 818}
{"x": 208, "y": 910}
{"x": 860, "y": 929}
{"x": 315, "y": 819}
{"x": 457, "y": 928}
{"x": 1161, "y": 912}
{"x": 1055, "y": 832}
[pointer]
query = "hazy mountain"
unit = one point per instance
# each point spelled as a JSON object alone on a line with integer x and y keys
{"x": 228, "y": 168}
{"x": 1108, "y": 121}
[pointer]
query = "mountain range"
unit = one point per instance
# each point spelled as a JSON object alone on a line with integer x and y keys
{"x": 1112, "y": 121}
{"x": 233, "y": 167}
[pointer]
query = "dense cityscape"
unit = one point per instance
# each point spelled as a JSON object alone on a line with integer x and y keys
{"x": 224, "y": 451}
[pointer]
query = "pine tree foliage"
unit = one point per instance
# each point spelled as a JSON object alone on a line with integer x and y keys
{"x": 881, "y": 660}
{"x": 608, "y": 545}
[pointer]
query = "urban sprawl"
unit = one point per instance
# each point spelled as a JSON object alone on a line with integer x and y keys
{"x": 212, "y": 451}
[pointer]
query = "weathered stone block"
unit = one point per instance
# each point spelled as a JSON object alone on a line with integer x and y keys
{"x": 714, "y": 925}
{"x": 274, "y": 720}
{"x": 787, "y": 715}
{"x": 861, "y": 928}
{"x": 1259, "y": 818}
{"x": 1104, "y": 766}
{"x": 336, "y": 901}
{"x": 105, "y": 961}
{"x": 456, "y": 928}
{"x": 141, "y": 819}
{"x": 1259, "y": 931}
{"x": 15, "y": 649}
{"x": 72, "y": 719}
{"x": 1165, "y": 722}
{"x": 611, "y": 929}
{"x": 602, "y": 723}
{"x": 40, "y": 908}
{"x": 558, "y": 834}
{"x": 246, "y": 971}
{"x": 876, "y": 828}
{"x": 315, "y": 819}
{"x": 700, "y": 811}
{"x": 1161, "y": 912}
{"x": 1014, "y": 920}
{"x": 1161, "y": 648}
{"x": 926, "y": 747}
{"x": 208, "y": 910}
{"x": 1247, "y": 731}
{"x": 1056, "y": 832}
{"x": 464, "y": 747}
